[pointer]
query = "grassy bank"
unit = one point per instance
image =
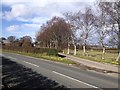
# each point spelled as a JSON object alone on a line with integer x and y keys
{"x": 44, "y": 56}
{"x": 94, "y": 55}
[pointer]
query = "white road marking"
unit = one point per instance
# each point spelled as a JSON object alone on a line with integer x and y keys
{"x": 2, "y": 55}
{"x": 74, "y": 79}
{"x": 12, "y": 57}
{"x": 31, "y": 63}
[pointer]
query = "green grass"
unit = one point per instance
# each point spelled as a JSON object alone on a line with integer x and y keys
{"x": 95, "y": 55}
{"x": 44, "y": 56}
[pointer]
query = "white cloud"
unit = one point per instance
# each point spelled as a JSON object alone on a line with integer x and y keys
{"x": 12, "y": 28}
{"x": 32, "y": 2}
{"x": 36, "y": 12}
{"x": 23, "y": 12}
{"x": 17, "y": 11}
{"x": 32, "y": 9}
{"x": 43, "y": 2}
{"x": 35, "y": 20}
{"x": 22, "y": 19}
{"x": 57, "y": 14}
{"x": 39, "y": 20}
{"x": 30, "y": 26}
{"x": 18, "y": 28}
{"x": 22, "y": 30}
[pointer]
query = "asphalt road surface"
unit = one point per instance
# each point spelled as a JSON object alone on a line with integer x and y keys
{"x": 67, "y": 75}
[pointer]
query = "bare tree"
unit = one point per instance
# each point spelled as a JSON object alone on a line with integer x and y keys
{"x": 70, "y": 18}
{"x": 113, "y": 35}
{"x": 84, "y": 22}
{"x": 11, "y": 38}
{"x": 101, "y": 26}
{"x": 54, "y": 33}
{"x": 43, "y": 36}
{"x": 113, "y": 10}
{"x": 26, "y": 41}
{"x": 59, "y": 30}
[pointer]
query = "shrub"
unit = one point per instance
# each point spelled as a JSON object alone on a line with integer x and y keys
{"x": 52, "y": 52}
{"x": 47, "y": 51}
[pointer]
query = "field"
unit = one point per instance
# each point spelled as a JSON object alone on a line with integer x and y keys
{"x": 96, "y": 55}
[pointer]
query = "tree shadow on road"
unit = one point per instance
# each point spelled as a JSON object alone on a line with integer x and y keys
{"x": 15, "y": 75}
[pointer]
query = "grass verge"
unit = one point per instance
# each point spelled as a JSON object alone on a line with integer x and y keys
{"x": 44, "y": 56}
{"x": 99, "y": 60}
{"x": 96, "y": 55}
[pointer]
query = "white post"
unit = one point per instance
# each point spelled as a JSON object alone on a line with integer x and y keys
{"x": 83, "y": 49}
{"x": 68, "y": 52}
{"x": 103, "y": 56}
{"x": 118, "y": 58}
{"x": 74, "y": 49}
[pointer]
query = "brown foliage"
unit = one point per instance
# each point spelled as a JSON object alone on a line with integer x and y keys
{"x": 56, "y": 32}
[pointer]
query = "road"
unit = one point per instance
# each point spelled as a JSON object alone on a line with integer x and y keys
{"x": 70, "y": 76}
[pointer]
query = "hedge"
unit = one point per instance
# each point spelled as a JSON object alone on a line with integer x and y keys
{"x": 48, "y": 51}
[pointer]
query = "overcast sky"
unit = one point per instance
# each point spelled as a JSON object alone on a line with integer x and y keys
{"x": 24, "y": 17}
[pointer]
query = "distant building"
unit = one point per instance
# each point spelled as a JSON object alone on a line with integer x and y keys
{"x": 6, "y": 42}
{"x": 95, "y": 47}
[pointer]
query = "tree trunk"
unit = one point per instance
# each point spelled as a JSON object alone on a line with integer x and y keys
{"x": 50, "y": 44}
{"x": 74, "y": 46}
{"x": 84, "y": 50}
{"x": 63, "y": 51}
{"x": 68, "y": 52}
{"x": 74, "y": 49}
{"x": 118, "y": 58}
{"x": 56, "y": 44}
{"x": 103, "y": 56}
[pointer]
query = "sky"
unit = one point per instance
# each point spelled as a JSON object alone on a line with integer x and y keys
{"x": 24, "y": 17}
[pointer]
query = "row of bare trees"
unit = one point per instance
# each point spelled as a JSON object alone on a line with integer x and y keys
{"x": 25, "y": 41}
{"x": 82, "y": 22}
{"x": 78, "y": 27}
